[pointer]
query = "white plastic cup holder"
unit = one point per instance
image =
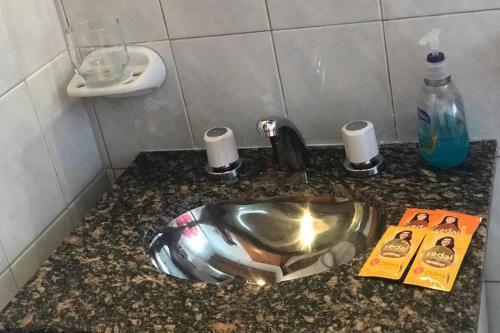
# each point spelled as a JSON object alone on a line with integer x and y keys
{"x": 144, "y": 73}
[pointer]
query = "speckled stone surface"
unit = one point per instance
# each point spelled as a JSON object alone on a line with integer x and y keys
{"x": 100, "y": 280}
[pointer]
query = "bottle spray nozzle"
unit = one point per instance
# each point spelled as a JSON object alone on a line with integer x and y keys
{"x": 436, "y": 64}
{"x": 432, "y": 39}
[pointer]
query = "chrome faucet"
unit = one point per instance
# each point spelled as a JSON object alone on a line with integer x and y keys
{"x": 289, "y": 148}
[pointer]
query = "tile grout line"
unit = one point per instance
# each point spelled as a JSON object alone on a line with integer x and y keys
{"x": 44, "y": 136}
{"x": 89, "y": 184}
{"x": 25, "y": 79}
{"x": 276, "y": 60}
{"x": 181, "y": 89}
{"x": 42, "y": 131}
{"x": 333, "y": 24}
{"x": 443, "y": 14}
{"x": 63, "y": 12}
{"x": 14, "y": 44}
{"x": 8, "y": 268}
{"x": 3, "y": 12}
{"x": 13, "y": 277}
{"x": 164, "y": 18}
{"x": 488, "y": 237}
{"x": 304, "y": 27}
{"x": 325, "y": 25}
{"x": 35, "y": 108}
{"x": 92, "y": 183}
{"x": 44, "y": 28}
{"x": 65, "y": 210}
{"x": 39, "y": 235}
{"x": 381, "y": 9}
{"x": 90, "y": 106}
{"x": 24, "y": 82}
{"x": 4, "y": 255}
{"x": 219, "y": 35}
{"x": 45, "y": 65}
{"x": 388, "y": 71}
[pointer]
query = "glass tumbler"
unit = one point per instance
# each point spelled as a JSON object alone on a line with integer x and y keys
{"x": 98, "y": 51}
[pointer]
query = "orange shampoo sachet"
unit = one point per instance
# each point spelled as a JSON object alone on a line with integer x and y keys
{"x": 398, "y": 245}
{"x": 441, "y": 238}
{"x": 438, "y": 261}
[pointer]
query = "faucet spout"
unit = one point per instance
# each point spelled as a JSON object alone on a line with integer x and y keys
{"x": 289, "y": 148}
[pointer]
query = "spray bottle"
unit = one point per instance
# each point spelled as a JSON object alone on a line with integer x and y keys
{"x": 442, "y": 131}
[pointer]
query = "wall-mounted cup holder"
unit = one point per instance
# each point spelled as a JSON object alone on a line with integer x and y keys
{"x": 144, "y": 73}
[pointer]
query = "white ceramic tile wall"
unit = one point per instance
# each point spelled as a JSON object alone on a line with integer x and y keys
{"x": 492, "y": 266}
{"x": 188, "y": 18}
{"x": 492, "y": 270}
{"x": 89, "y": 198}
{"x": 10, "y": 67}
{"x": 338, "y": 74}
{"x": 28, "y": 262}
{"x": 47, "y": 141}
{"x": 3, "y": 259}
{"x": 299, "y": 13}
{"x": 408, "y": 8}
{"x": 28, "y": 178}
{"x": 140, "y": 20}
{"x": 472, "y": 42}
{"x": 483, "y": 312}
{"x": 157, "y": 121}
{"x": 28, "y": 32}
{"x": 52, "y": 26}
{"x": 231, "y": 81}
{"x": 492, "y": 304}
{"x": 66, "y": 127}
{"x": 8, "y": 287}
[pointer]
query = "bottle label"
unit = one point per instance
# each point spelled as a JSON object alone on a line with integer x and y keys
{"x": 422, "y": 115}
{"x": 427, "y": 138}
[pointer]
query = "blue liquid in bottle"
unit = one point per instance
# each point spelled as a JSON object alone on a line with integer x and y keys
{"x": 442, "y": 131}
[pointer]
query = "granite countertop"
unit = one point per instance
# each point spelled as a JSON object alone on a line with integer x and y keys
{"x": 100, "y": 280}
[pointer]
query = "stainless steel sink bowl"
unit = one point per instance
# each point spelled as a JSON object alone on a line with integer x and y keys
{"x": 262, "y": 241}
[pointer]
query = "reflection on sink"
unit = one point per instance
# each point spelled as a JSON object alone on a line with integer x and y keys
{"x": 262, "y": 241}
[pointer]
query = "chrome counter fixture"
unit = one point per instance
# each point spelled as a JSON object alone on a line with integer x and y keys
{"x": 262, "y": 241}
{"x": 363, "y": 158}
{"x": 229, "y": 173}
{"x": 289, "y": 147}
{"x": 222, "y": 154}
